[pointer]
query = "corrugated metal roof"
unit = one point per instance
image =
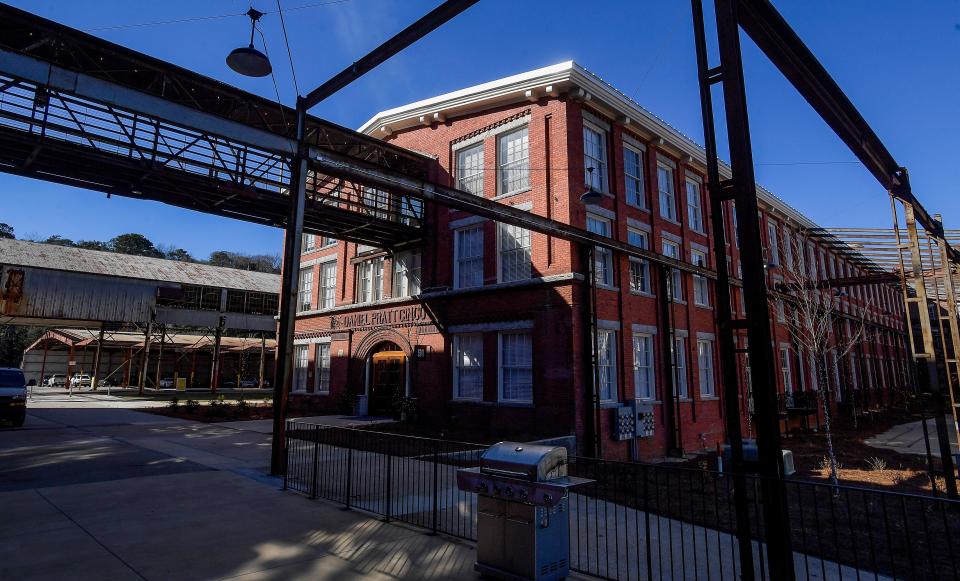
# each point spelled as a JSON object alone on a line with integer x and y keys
{"x": 49, "y": 256}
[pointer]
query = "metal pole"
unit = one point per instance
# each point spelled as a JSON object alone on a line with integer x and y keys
{"x": 43, "y": 364}
{"x": 743, "y": 189}
{"x": 588, "y": 377}
{"x": 288, "y": 292}
{"x": 263, "y": 358}
{"x": 145, "y": 357}
{"x": 163, "y": 336}
{"x": 96, "y": 360}
{"x": 215, "y": 360}
{"x": 927, "y": 360}
{"x": 950, "y": 308}
{"x": 725, "y": 337}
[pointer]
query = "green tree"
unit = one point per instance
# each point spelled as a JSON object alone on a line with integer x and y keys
{"x": 13, "y": 340}
{"x": 58, "y": 240}
{"x": 225, "y": 259}
{"x": 6, "y": 231}
{"x": 135, "y": 244}
{"x": 179, "y": 254}
{"x": 92, "y": 245}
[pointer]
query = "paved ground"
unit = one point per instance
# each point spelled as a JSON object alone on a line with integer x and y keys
{"x": 908, "y": 438}
{"x": 90, "y": 489}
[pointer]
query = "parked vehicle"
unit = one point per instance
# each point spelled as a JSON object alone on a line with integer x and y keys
{"x": 79, "y": 380}
{"x": 56, "y": 380}
{"x": 245, "y": 383}
{"x": 165, "y": 383}
{"x": 13, "y": 395}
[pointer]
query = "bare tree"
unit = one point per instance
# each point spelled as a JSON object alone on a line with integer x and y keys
{"x": 815, "y": 311}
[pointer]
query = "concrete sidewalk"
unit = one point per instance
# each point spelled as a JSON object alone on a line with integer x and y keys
{"x": 908, "y": 438}
{"x": 92, "y": 490}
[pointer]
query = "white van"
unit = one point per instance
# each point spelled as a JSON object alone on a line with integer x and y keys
{"x": 13, "y": 395}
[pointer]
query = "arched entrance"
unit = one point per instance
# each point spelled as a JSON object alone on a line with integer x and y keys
{"x": 387, "y": 377}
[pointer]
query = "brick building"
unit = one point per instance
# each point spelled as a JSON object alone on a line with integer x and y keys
{"x": 486, "y": 327}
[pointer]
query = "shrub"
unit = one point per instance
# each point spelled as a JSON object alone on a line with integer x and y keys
{"x": 174, "y": 403}
{"x": 242, "y": 405}
{"x": 877, "y": 464}
{"x": 193, "y": 405}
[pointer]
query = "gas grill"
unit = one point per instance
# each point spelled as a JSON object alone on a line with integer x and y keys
{"x": 522, "y": 525}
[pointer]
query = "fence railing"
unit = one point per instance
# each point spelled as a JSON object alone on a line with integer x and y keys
{"x": 638, "y": 521}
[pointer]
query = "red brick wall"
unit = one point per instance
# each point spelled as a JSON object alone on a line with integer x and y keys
{"x": 556, "y": 308}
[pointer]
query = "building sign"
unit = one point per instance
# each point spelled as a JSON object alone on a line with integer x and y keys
{"x": 382, "y": 318}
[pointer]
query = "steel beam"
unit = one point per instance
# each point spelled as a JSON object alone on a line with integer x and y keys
{"x": 771, "y": 33}
{"x": 726, "y": 339}
{"x": 926, "y": 359}
{"x": 342, "y": 166}
{"x": 292, "y": 241}
{"x": 409, "y": 35}
{"x": 743, "y": 189}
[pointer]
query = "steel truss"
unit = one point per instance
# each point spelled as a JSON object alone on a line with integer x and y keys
{"x": 78, "y": 110}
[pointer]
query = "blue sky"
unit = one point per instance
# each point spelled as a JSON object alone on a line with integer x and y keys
{"x": 898, "y": 62}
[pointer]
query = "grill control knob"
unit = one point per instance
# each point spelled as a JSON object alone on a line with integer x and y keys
{"x": 496, "y": 489}
{"x": 508, "y": 491}
{"x": 523, "y": 493}
{"x": 547, "y": 498}
{"x": 481, "y": 486}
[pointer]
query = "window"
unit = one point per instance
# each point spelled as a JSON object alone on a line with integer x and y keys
{"x": 639, "y": 269}
{"x": 668, "y": 199}
{"x": 514, "y": 245}
{"x": 309, "y": 242}
{"x": 812, "y": 261}
{"x": 607, "y": 364}
{"x": 370, "y": 280}
{"x": 701, "y": 292}
{"x": 468, "y": 249}
{"x": 406, "y": 274}
{"x": 328, "y": 284}
{"x": 326, "y": 242}
{"x": 773, "y": 244}
{"x": 306, "y": 289}
{"x": 411, "y": 211}
{"x": 470, "y": 169}
{"x": 787, "y": 249}
{"x": 514, "y": 162}
{"x": 602, "y": 257}
{"x": 643, "y": 366}
{"x": 672, "y": 249}
{"x": 376, "y": 202}
{"x": 694, "y": 207}
{"x": 705, "y": 365}
{"x": 595, "y": 158}
{"x": 680, "y": 368}
{"x": 639, "y": 276}
{"x": 781, "y": 313}
{"x": 468, "y": 366}
{"x": 785, "y": 370}
{"x": 633, "y": 176}
{"x": 323, "y": 368}
{"x": 516, "y": 367}
{"x": 299, "y": 368}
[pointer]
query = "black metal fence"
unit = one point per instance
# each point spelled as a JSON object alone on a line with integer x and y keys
{"x": 638, "y": 521}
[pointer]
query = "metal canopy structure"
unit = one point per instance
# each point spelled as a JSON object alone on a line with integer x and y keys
{"x": 79, "y": 110}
